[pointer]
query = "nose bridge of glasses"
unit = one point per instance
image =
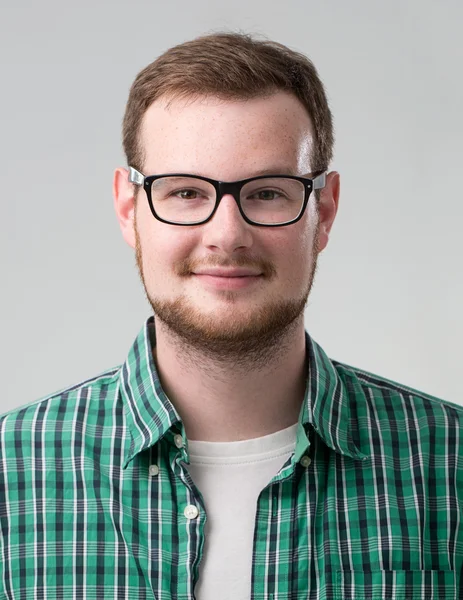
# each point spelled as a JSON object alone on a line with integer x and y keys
{"x": 226, "y": 187}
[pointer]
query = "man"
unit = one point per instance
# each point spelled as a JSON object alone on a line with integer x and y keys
{"x": 229, "y": 457}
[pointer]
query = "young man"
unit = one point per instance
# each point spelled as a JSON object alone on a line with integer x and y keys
{"x": 229, "y": 457}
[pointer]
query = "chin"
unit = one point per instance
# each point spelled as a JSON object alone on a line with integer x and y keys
{"x": 234, "y": 320}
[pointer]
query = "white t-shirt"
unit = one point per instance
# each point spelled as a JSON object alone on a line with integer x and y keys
{"x": 230, "y": 476}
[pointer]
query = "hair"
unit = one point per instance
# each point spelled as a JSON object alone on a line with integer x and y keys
{"x": 230, "y": 66}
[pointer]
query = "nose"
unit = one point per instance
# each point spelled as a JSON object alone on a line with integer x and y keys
{"x": 227, "y": 230}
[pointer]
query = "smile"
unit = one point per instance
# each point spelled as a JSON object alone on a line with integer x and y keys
{"x": 227, "y": 283}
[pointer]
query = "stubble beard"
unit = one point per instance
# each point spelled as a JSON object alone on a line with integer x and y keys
{"x": 241, "y": 340}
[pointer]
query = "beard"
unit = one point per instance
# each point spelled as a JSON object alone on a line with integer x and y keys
{"x": 242, "y": 339}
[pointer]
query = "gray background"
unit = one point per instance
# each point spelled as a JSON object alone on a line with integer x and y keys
{"x": 389, "y": 291}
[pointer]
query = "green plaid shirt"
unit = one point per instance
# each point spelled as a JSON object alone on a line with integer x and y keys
{"x": 94, "y": 487}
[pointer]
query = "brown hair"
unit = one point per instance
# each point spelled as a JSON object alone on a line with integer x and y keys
{"x": 229, "y": 66}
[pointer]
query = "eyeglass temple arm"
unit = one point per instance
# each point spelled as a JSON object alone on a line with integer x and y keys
{"x": 319, "y": 182}
{"x": 136, "y": 177}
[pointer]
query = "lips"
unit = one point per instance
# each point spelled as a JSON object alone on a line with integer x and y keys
{"x": 228, "y": 273}
{"x": 228, "y": 279}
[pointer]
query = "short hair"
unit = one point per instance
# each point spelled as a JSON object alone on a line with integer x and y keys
{"x": 230, "y": 66}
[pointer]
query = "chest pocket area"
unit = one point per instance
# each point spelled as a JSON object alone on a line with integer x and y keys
{"x": 395, "y": 585}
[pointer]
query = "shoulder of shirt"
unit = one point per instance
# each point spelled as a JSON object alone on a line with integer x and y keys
{"x": 382, "y": 387}
{"x": 106, "y": 378}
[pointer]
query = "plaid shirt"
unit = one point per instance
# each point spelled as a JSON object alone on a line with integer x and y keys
{"x": 96, "y": 500}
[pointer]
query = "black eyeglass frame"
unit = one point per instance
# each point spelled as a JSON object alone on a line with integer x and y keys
{"x": 228, "y": 187}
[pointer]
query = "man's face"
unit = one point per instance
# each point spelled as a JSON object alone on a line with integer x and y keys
{"x": 227, "y": 141}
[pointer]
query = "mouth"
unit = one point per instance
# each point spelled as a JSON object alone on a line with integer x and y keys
{"x": 228, "y": 272}
{"x": 227, "y": 282}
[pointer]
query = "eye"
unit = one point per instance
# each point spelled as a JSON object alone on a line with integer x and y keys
{"x": 267, "y": 194}
{"x": 186, "y": 194}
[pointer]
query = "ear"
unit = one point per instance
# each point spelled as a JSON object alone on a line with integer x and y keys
{"x": 124, "y": 203}
{"x": 328, "y": 207}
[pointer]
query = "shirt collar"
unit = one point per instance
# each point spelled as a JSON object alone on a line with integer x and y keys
{"x": 148, "y": 411}
{"x": 332, "y": 395}
{"x": 150, "y": 415}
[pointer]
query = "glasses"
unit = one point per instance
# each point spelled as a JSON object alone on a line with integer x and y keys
{"x": 267, "y": 200}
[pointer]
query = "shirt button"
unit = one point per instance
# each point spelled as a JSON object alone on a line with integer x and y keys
{"x": 154, "y": 470}
{"x": 191, "y": 511}
{"x": 178, "y": 440}
{"x": 305, "y": 461}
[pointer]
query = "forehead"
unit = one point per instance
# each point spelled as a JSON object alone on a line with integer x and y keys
{"x": 227, "y": 138}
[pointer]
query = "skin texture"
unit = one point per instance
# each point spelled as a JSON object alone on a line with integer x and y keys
{"x": 232, "y": 361}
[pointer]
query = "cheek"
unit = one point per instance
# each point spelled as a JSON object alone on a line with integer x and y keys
{"x": 294, "y": 256}
{"x": 295, "y": 242}
{"x": 163, "y": 247}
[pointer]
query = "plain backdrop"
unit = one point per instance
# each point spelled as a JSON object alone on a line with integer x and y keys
{"x": 389, "y": 290}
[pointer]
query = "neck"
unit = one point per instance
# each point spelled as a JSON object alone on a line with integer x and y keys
{"x": 231, "y": 403}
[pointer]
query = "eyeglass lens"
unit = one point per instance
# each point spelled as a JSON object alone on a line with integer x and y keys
{"x": 267, "y": 201}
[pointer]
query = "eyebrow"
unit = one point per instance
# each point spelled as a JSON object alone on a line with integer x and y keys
{"x": 274, "y": 171}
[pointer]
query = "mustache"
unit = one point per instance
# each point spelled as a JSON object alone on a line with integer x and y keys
{"x": 188, "y": 266}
